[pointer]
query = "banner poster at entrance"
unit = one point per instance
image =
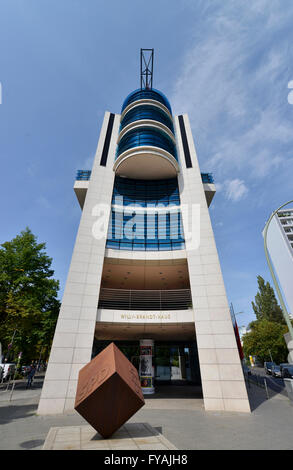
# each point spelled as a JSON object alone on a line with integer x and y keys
{"x": 146, "y": 351}
{"x": 146, "y": 382}
{"x": 146, "y": 366}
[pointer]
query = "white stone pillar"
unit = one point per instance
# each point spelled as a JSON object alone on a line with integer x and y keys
{"x": 75, "y": 329}
{"x": 220, "y": 367}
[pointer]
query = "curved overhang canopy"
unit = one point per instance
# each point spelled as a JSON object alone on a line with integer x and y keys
{"x": 150, "y": 163}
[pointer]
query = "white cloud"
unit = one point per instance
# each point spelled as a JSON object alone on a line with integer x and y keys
{"x": 265, "y": 163}
{"x": 235, "y": 190}
{"x": 233, "y": 85}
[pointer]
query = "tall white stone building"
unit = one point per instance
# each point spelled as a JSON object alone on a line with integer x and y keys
{"x": 153, "y": 283}
{"x": 280, "y": 248}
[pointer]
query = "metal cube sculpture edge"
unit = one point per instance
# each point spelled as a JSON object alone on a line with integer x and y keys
{"x": 108, "y": 391}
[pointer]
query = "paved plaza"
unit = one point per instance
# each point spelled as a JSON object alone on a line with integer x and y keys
{"x": 131, "y": 436}
{"x": 175, "y": 413}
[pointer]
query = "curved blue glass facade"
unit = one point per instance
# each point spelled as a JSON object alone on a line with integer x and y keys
{"x": 147, "y": 112}
{"x": 144, "y": 215}
{"x": 146, "y": 136}
{"x": 142, "y": 230}
{"x": 145, "y": 192}
{"x": 146, "y": 94}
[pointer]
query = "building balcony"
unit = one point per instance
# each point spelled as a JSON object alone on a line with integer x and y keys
{"x": 138, "y": 113}
{"x": 208, "y": 186}
{"x": 285, "y": 213}
{"x": 146, "y": 300}
{"x": 81, "y": 185}
{"x": 83, "y": 177}
{"x": 207, "y": 178}
{"x": 146, "y": 162}
{"x": 146, "y": 149}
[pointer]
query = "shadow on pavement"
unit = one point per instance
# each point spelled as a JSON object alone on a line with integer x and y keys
{"x": 256, "y": 397}
{"x": 176, "y": 391}
{"x": 32, "y": 444}
{"x": 12, "y": 412}
{"x": 159, "y": 429}
{"x": 22, "y": 386}
{"x": 258, "y": 393}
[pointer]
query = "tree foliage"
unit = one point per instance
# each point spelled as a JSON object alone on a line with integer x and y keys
{"x": 266, "y": 306}
{"x": 266, "y": 335}
{"x": 28, "y": 296}
{"x": 265, "y": 339}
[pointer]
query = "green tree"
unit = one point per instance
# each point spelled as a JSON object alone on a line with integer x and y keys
{"x": 28, "y": 296}
{"x": 266, "y": 306}
{"x": 264, "y": 339}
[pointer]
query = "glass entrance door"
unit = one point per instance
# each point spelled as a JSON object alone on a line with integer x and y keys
{"x": 162, "y": 364}
{"x": 175, "y": 364}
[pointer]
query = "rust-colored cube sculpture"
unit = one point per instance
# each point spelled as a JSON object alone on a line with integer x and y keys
{"x": 108, "y": 391}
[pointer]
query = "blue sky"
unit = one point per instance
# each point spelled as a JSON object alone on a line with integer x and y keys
{"x": 226, "y": 64}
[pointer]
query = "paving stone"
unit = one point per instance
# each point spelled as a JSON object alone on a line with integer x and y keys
{"x": 132, "y": 436}
{"x": 66, "y": 446}
{"x": 152, "y": 447}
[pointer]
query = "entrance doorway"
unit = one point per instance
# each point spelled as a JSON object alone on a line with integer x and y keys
{"x": 176, "y": 364}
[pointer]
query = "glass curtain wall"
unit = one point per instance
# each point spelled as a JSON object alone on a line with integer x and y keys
{"x": 129, "y": 229}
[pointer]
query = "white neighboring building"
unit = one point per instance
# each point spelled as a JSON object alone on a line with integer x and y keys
{"x": 280, "y": 247}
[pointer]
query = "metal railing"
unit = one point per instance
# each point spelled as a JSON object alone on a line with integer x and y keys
{"x": 128, "y": 299}
{"x": 84, "y": 175}
{"x": 207, "y": 178}
{"x": 258, "y": 380}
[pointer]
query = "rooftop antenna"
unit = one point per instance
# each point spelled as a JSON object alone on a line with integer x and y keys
{"x": 146, "y": 68}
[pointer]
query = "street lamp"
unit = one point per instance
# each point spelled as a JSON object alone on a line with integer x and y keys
{"x": 283, "y": 306}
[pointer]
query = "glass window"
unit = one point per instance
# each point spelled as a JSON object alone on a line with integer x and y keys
{"x": 150, "y": 231}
